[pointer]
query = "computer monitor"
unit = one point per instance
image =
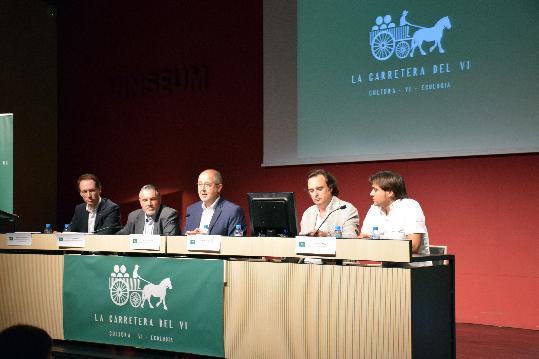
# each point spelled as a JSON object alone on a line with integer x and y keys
{"x": 8, "y": 222}
{"x": 273, "y": 214}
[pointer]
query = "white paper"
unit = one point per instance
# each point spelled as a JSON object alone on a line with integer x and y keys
{"x": 19, "y": 239}
{"x": 316, "y": 245}
{"x": 145, "y": 241}
{"x": 77, "y": 240}
{"x": 206, "y": 243}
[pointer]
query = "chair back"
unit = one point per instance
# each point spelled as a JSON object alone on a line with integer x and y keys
{"x": 437, "y": 250}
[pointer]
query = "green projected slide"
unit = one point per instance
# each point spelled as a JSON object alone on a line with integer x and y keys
{"x": 6, "y": 162}
{"x": 415, "y": 79}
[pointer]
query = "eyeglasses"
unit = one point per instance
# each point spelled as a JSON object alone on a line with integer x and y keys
{"x": 206, "y": 184}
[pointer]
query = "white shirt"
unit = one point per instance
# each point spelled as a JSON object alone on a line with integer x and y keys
{"x": 207, "y": 214}
{"x": 92, "y": 213}
{"x": 319, "y": 218}
{"x": 324, "y": 228}
{"x": 347, "y": 218}
{"x": 148, "y": 225}
{"x": 405, "y": 217}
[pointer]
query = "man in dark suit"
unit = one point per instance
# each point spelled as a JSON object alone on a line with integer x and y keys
{"x": 97, "y": 215}
{"x": 219, "y": 215}
{"x": 153, "y": 217}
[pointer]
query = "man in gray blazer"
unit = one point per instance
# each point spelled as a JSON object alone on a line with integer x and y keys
{"x": 328, "y": 211}
{"x": 153, "y": 217}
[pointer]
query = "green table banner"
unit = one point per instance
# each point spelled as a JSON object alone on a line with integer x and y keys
{"x": 158, "y": 303}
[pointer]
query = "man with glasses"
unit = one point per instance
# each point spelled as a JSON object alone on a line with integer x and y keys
{"x": 212, "y": 214}
{"x": 153, "y": 217}
{"x": 97, "y": 214}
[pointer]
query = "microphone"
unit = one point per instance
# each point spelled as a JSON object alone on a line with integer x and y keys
{"x": 105, "y": 229}
{"x": 9, "y": 216}
{"x": 329, "y": 214}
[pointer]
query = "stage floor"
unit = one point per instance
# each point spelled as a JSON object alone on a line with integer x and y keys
{"x": 473, "y": 342}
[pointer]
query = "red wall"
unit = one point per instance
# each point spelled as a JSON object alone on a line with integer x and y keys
{"x": 481, "y": 207}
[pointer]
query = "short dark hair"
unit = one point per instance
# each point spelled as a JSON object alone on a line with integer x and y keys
{"x": 390, "y": 181}
{"x": 331, "y": 181}
{"x": 89, "y": 176}
{"x": 25, "y": 341}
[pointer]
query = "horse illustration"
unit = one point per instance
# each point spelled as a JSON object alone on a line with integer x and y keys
{"x": 160, "y": 291}
{"x": 429, "y": 34}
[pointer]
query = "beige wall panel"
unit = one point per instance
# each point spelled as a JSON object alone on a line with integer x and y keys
{"x": 32, "y": 291}
{"x": 310, "y": 311}
{"x": 271, "y": 310}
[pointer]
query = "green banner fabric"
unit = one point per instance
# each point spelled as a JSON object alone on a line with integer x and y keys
{"x": 158, "y": 303}
{"x": 6, "y": 162}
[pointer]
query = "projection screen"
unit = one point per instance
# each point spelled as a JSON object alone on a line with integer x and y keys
{"x": 349, "y": 81}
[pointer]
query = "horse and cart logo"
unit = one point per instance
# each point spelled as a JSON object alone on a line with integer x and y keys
{"x": 124, "y": 288}
{"x": 387, "y": 39}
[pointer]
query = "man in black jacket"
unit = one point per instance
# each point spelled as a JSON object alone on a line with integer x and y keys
{"x": 97, "y": 214}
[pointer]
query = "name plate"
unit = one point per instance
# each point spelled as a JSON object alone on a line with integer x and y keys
{"x": 71, "y": 239}
{"x": 206, "y": 243}
{"x": 19, "y": 239}
{"x": 145, "y": 241}
{"x": 316, "y": 245}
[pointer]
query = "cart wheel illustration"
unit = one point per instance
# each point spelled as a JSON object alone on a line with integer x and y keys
{"x": 383, "y": 45}
{"x": 402, "y": 50}
{"x": 135, "y": 299}
{"x": 119, "y": 293}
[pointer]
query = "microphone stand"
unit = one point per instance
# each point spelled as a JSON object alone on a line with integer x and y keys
{"x": 302, "y": 260}
{"x": 329, "y": 214}
{"x": 106, "y": 229}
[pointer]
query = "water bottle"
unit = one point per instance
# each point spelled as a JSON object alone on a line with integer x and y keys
{"x": 238, "y": 232}
{"x": 338, "y": 232}
{"x": 206, "y": 229}
{"x": 375, "y": 233}
{"x": 66, "y": 227}
{"x": 48, "y": 229}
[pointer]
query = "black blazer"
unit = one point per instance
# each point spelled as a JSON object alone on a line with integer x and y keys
{"x": 107, "y": 220}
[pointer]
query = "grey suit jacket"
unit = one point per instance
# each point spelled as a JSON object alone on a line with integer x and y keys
{"x": 347, "y": 218}
{"x": 166, "y": 222}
